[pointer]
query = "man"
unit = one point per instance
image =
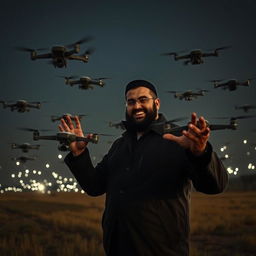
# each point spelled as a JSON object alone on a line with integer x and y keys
{"x": 147, "y": 177}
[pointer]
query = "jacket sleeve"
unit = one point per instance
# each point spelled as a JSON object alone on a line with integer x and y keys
{"x": 207, "y": 172}
{"x": 91, "y": 179}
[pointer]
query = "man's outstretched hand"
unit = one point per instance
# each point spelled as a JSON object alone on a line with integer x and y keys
{"x": 195, "y": 138}
{"x": 77, "y": 147}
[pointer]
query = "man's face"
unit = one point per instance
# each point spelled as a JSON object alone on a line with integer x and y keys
{"x": 142, "y": 108}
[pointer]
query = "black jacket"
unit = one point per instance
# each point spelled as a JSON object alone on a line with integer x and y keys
{"x": 147, "y": 184}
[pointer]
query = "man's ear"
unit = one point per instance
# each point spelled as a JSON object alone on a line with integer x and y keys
{"x": 157, "y": 102}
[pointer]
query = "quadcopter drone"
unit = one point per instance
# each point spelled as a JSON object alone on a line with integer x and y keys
{"x": 25, "y": 147}
{"x": 21, "y": 105}
{"x": 246, "y": 107}
{"x": 72, "y": 117}
{"x": 195, "y": 56}
{"x": 65, "y": 138}
{"x": 188, "y": 95}
{"x": 85, "y": 82}
{"x": 119, "y": 125}
{"x": 23, "y": 159}
{"x": 60, "y": 54}
{"x": 168, "y": 127}
{"x": 231, "y": 84}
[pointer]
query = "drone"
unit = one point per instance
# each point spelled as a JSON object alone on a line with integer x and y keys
{"x": 85, "y": 82}
{"x": 72, "y": 117}
{"x": 119, "y": 125}
{"x": 196, "y": 56}
{"x": 232, "y": 125}
{"x": 60, "y": 54}
{"x": 22, "y": 159}
{"x": 65, "y": 138}
{"x": 188, "y": 95}
{"x": 246, "y": 107}
{"x": 231, "y": 84}
{"x": 21, "y": 105}
{"x": 25, "y": 147}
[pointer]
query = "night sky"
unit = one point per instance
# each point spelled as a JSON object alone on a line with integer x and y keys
{"x": 129, "y": 38}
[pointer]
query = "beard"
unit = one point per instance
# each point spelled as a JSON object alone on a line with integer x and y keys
{"x": 140, "y": 126}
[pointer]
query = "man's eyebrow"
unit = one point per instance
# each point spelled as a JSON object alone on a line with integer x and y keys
{"x": 143, "y": 96}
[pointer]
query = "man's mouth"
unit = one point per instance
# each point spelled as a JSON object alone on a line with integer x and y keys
{"x": 139, "y": 115}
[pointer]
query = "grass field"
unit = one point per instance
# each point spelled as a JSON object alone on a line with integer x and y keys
{"x": 69, "y": 224}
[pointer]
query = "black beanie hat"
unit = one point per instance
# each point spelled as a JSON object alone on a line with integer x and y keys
{"x": 140, "y": 83}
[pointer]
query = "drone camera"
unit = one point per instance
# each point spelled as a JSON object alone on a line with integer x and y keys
{"x": 36, "y": 135}
{"x": 77, "y": 48}
{"x": 63, "y": 147}
{"x": 33, "y": 55}
{"x": 95, "y": 138}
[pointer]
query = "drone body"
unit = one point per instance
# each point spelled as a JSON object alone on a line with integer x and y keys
{"x": 188, "y": 95}
{"x": 23, "y": 159}
{"x": 195, "y": 57}
{"x": 118, "y": 125}
{"x": 246, "y": 107}
{"x": 60, "y": 54}
{"x": 85, "y": 82}
{"x": 25, "y": 147}
{"x": 231, "y": 84}
{"x": 72, "y": 117}
{"x": 21, "y": 105}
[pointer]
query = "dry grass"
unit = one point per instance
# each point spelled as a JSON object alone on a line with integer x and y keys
{"x": 70, "y": 224}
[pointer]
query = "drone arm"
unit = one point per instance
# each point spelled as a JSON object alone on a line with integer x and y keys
{"x": 182, "y": 57}
{"x": 43, "y": 56}
{"x": 53, "y": 137}
{"x": 210, "y": 54}
{"x": 83, "y": 58}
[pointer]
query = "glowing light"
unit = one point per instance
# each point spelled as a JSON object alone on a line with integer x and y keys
{"x": 248, "y": 153}
{"x": 41, "y": 187}
{"x": 253, "y": 167}
{"x": 245, "y": 141}
{"x": 226, "y": 156}
{"x": 222, "y": 149}
{"x": 39, "y": 172}
{"x": 17, "y": 163}
{"x": 34, "y": 171}
{"x": 47, "y": 165}
{"x": 13, "y": 175}
{"x": 236, "y": 169}
{"x": 27, "y": 171}
{"x": 249, "y": 166}
{"x": 59, "y": 156}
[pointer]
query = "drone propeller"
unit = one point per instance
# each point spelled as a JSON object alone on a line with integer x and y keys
{"x": 172, "y": 91}
{"x": 202, "y": 90}
{"x": 25, "y": 49}
{"x": 68, "y": 77}
{"x": 216, "y": 80}
{"x": 81, "y": 41}
{"x": 223, "y": 48}
{"x": 176, "y": 120}
{"x": 173, "y": 53}
{"x": 89, "y": 51}
{"x": 33, "y": 130}
{"x": 102, "y": 78}
{"x": 101, "y": 134}
{"x": 236, "y": 117}
{"x": 38, "y": 102}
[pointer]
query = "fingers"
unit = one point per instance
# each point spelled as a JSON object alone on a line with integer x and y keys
{"x": 197, "y": 130}
{"x": 69, "y": 122}
{"x": 61, "y": 128}
{"x": 64, "y": 126}
{"x": 193, "y": 118}
{"x": 77, "y": 122}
